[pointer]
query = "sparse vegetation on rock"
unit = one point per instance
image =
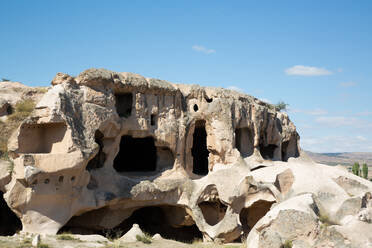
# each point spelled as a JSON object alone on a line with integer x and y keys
{"x": 21, "y": 111}
{"x": 365, "y": 171}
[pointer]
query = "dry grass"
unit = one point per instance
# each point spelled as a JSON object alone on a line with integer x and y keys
{"x": 21, "y": 111}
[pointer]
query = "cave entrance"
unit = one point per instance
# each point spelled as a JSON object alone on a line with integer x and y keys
{"x": 170, "y": 222}
{"x": 250, "y": 216}
{"x": 99, "y": 159}
{"x": 199, "y": 149}
{"x": 136, "y": 155}
{"x": 267, "y": 152}
{"x": 123, "y": 103}
{"x": 244, "y": 141}
{"x": 213, "y": 211}
{"x": 10, "y": 223}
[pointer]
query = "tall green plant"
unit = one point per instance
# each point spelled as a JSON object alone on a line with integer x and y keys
{"x": 355, "y": 169}
{"x": 365, "y": 171}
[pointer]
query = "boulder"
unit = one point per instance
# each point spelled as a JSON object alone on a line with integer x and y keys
{"x": 131, "y": 235}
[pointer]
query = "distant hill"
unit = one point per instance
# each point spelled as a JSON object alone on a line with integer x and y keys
{"x": 343, "y": 158}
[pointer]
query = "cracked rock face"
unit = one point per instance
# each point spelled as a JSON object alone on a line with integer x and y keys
{"x": 106, "y": 150}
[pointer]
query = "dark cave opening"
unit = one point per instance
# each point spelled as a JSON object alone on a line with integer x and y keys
{"x": 267, "y": 152}
{"x": 213, "y": 211}
{"x": 171, "y": 222}
{"x": 244, "y": 141}
{"x": 199, "y": 149}
{"x": 136, "y": 154}
{"x": 250, "y": 216}
{"x": 99, "y": 159}
{"x": 9, "y": 109}
{"x": 9, "y": 222}
{"x": 284, "y": 151}
{"x": 154, "y": 220}
{"x": 123, "y": 103}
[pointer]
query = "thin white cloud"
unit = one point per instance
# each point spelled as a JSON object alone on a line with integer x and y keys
{"x": 361, "y": 138}
{"x": 336, "y": 144}
{"x": 348, "y": 84}
{"x": 338, "y": 121}
{"x": 203, "y": 49}
{"x": 315, "y": 112}
{"x": 235, "y": 88}
{"x": 301, "y": 70}
{"x": 365, "y": 113}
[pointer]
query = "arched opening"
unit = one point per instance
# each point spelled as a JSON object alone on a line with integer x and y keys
{"x": 213, "y": 211}
{"x": 267, "y": 152}
{"x": 156, "y": 219}
{"x": 196, "y": 108}
{"x": 9, "y": 222}
{"x": 209, "y": 100}
{"x": 123, "y": 103}
{"x": 9, "y": 109}
{"x": 250, "y": 216}
{"x": 244, "y": 141}
{"x": 136, "y": 155}
{"x": 199, "y": 149}
{"x": 99, "y": 159}
{"x": 290, "y": 149}
{"x": 171, "y": 222}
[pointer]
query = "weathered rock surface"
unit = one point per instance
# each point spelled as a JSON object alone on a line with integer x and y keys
{"x": 106, "y": 150}
{"x": 13, "y": 92}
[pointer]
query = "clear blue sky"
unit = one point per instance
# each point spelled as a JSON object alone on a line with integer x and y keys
{"x": 314, "y": 55}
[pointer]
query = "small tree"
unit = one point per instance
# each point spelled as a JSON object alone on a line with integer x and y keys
{"x": 5, "y": 80}
{"x": 365, "y": 171}
{"x": 281, "y": 106}
{"x": 355, "y": 169}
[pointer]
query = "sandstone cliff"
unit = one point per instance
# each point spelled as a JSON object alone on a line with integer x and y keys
{"x": 105, "y": 150}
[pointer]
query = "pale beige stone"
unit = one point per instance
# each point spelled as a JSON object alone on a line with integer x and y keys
{"x": 67, "y": 162}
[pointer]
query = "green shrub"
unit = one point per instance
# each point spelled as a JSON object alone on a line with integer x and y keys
{"x": 144, "y": 239}
{"x": 43, "y": 246}
{"x": 67, "y": 237}
{"x": 287, "y": 244}
{"x": 365, "y": 171}
{"x": 355, "y": 169}
{"x": 281, "y": 106}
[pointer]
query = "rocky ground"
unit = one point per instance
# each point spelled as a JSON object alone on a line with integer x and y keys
{"x": 97, "y": 241}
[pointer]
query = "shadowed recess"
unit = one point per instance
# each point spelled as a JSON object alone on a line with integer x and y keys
{"x": 156, "y": 219}
{"x": 250, "y": 216}
{"x": 9, "y": 222}
{"x": 267, "y": 152}
{"x": 244, "y": 141}
{"x": 123, "y": 103}
{"x": 199, "y": 149}
{"x": 213, "y": 211}
{"x": 99, "y": 159}
{"x": 136, "y": 154}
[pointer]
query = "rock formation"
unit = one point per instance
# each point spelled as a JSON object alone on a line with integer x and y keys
{"x": 105, "y": 150}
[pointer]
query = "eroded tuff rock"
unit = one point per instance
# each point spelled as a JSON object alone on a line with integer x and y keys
{"x": 106, "y": 150}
